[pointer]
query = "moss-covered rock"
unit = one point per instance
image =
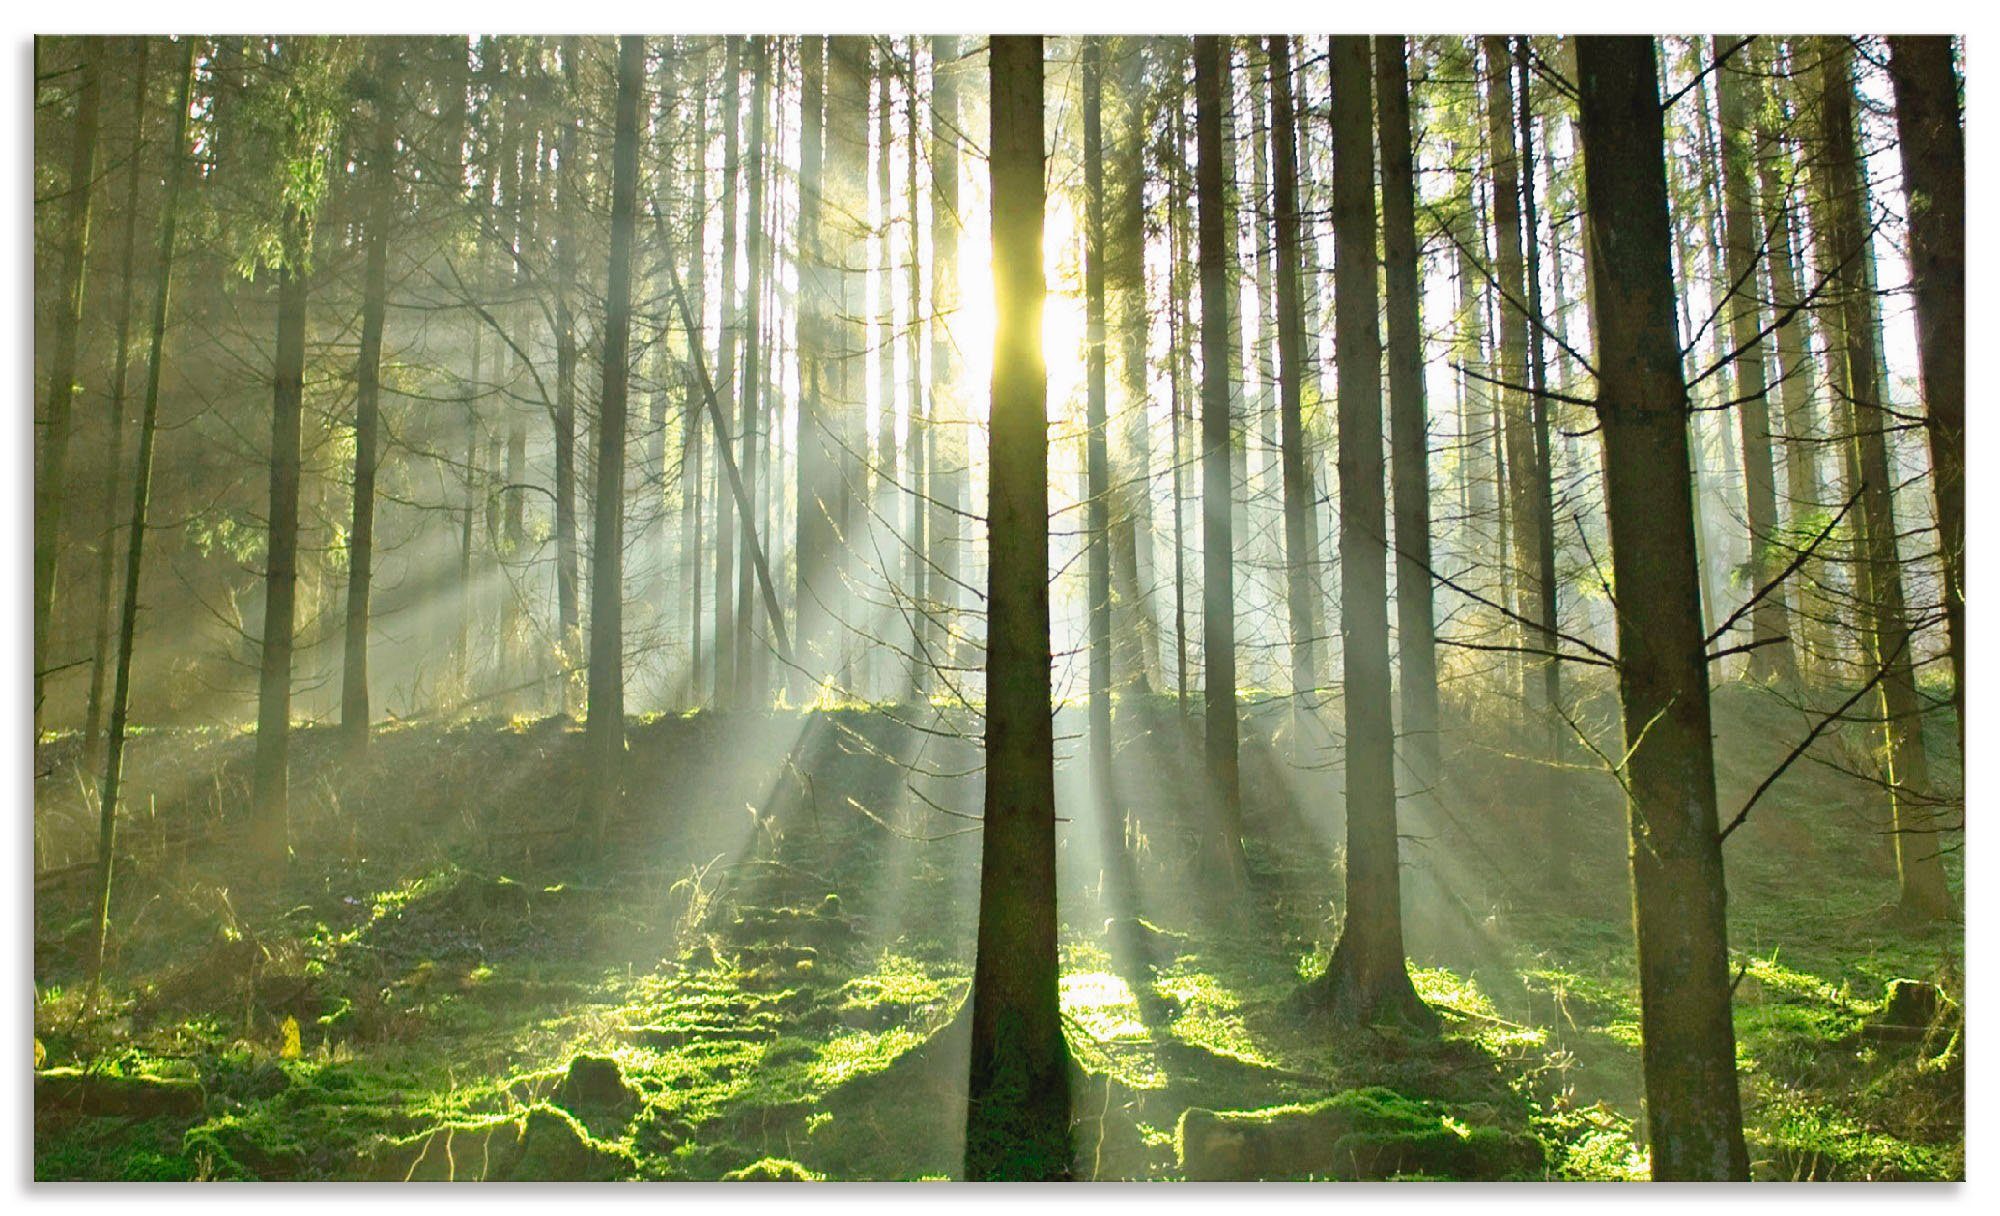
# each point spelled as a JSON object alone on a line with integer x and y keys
{"x": 73, "y": 1091}
{"x": 1361, "y": 1133}
{"x": 773, "y": 1169}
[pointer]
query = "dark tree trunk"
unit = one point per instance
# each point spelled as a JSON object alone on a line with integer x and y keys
{"x": 1367, "y": 979}
{"x": 1694, "y": 1115}
{"x": 1097, "y": 459}
{"x": 135, "y": 537}
{"x": 945, "y": 434}
{"x": 1927, "y": 117}
{"x": 1743, "y": 241}
{"x": 818, "y": 476}
{"x": 568, "y": 184}
{"x": 756, "y": 251}
{"x": 1018, "y": 1122}
{"x": 270, "y": 798}
{"x": 725, "y": 379}
{"x": 354, "y": 707}
{"x": 1218, "y": 342}
{"x": 101, "y": 657}
{"x": 1409, "y": 433}
{"x": 51, "y": 479}
{"x": 1302, "y": 592}
{"x": 1919, "y": 864}
{"x": 605, "y": 724}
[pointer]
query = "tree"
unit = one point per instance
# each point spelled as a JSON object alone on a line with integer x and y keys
{"x": 604, "y": 739}
{"x": 756, "y": 249}
{"x": 945, "y": 433}
{"x": 51, "y": 479}
{"x": 1927, "y": 117}
{"x": 1743, "y": 240}
{"x": 725, "y": 377}
{"x": 1017, "y": 1128}
{"x": 1218, "y": 616}
{"x": 1302, "y": 592}
{"x": 1919, "y": 865}
{"x": 569, "y": 184}
{"x": 1367, "y": 979}
{"x": 1097, "y": 459}
{"x": 1409, "y": 438}
{"x": 354, "y": 708}
{"x": 135, "y": 536}
{"x": 1694, "y": 1115}
{"x": 127, "y": 247}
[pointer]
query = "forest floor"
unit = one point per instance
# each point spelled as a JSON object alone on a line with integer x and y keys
{"x": 766, "y": 978}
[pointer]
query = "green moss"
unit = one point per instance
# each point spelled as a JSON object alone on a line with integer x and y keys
{"x": 773, "y": 1169}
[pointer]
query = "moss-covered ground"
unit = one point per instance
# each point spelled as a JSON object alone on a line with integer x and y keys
{"x": 764, "y": 979}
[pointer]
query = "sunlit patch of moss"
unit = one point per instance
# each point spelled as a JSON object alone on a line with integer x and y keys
{"x": 1813, "y": 1141}
{"x": 849, "y": 1055}
{"x": 1103, "y": 1005}
{"x": 1443, "y": 988}
{"x": 1208, "y": 1014}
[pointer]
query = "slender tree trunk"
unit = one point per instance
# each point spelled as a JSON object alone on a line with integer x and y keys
{"x": 1927, "y": 117}
{"x": 919, "y": 441}
{"x": 692, "y": 565}
{"x": 1409, "y": 432}
{"x": 135, "y": 537}
{"x": 1218, "y": 341}
{"x": 1919, "y": 864}
{"x": 51, "y": 479}
{"x": 1097, "y": 459}
{"x": 101, "y": 657}
{"x": 817, "y": 478}
{"x": 605, "y": 724}
{"x": 1367, "y": 979}
{"x": 1743, "y": 242}
{"x": 1018, "y": 1123}
{"x": 1181, "y": 403}
{"x": 1301, "y": 590}
{"x": 568, "y": 184}
{"x": 1694, "y": 1115}
{"x": 271, "y": 829}
{"x": 725, "y": 379}
{"x": 946, "y": 435}
{"x": 756, "y": 241}
{"x": 354, "y": 707}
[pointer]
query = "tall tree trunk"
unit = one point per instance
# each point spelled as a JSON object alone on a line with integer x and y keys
{"x": 1218, "y": 344}
{"x": 1018, "y": 1123}
{"x": 919, "y": 442}
{"x": 1367, "y": 979}
{"x": 1301, "y": 587}
{"x": 693, "y": 531}
{"x": 1810, "y": 641}
{"x": 1097, "y": 458}
{"x": 1181, "y": 392}
{"x": 569, "y": 183}
{"x": 1743, "y": 240}
{"x": 1133, "y": 571}
{"x": 817, "y": 484}
{"x": 1927, "y": 117}
{"x": 946, "y": 434}
{"x": 51, "y": 479}
{"x": 354, "y": 707}
{"x": 1409, "y": 433}
{"x": 1512, "y": 403}
{"x": 604, "y": 740}
{"x": 101, "y": 657}
{"x": 271, "y": 828}
{"x": 756, "y": 242}
{"x": 135, "y": 537}
{"x": 1694, "y": 1114}
{"x": 725, "y": 379}
{"x": 1919, "y": 864}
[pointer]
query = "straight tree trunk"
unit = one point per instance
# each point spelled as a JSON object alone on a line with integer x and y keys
{"x": 692, "y": 565}
{"x": 725, "y": 379}
{"x": 919, "y": 441}
{"x": 51, "y": 479}
{"x": 1367, "y": 980}
{"x": 605, "y": 722}
{"x": 756, "y": 241}
{"x": 1218, "y": 342}
{"x": 354, "y": 706}
{"x": 1097, "y": 461}
{"x": 1933, "y": 145}
{"x": 1743, "y": 241}
{"x": 1694, "y": 1115}
{"x": 1301, "y": 586}
{"x": 135, "y": 537}
{"x": 1409, "y": 433}
{"x": 1919, "y": 864}
{"x": 945, "y": 434}
{"x": 271, "y": 829}
{"x": 569, "y": 183}
{"x": 1017, "y": 1127}
{"x": 101, "y": 657}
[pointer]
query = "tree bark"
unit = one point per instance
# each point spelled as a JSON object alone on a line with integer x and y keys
{"x": 1927, "y": 117}
{"x": 1097, "y": 458}
{"x": 1018, "y": 1123}
{"x": 1302, "y": 592}
{"x": 605, "y": 724}
{"x": 1694, "y": 1114}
